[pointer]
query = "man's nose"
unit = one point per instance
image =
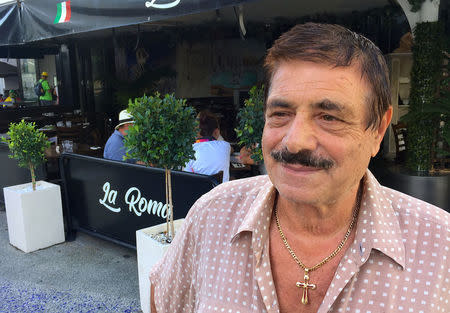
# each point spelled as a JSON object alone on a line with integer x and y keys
{"x": 300, "y": 135}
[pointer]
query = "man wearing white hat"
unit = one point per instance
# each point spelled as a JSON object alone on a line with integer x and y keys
{"x": 114, "y": 148}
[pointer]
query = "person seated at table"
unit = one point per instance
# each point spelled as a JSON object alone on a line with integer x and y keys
{"x": 10, "y": 96}
{"x": 245, "y": 156}
{"x": 211, "y": 155}
{"x": 12, "y": 99}
{"x": 15, "y": 95}
{"x": 114, "y": 148}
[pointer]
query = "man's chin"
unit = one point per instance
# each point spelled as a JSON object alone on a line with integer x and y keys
{"x": 300, "y": 196}
{"x": 308, "y": 190}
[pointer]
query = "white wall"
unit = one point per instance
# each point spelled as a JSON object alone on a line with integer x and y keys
{"x": 11, "y": 82}
{"x": 2, "y": 86}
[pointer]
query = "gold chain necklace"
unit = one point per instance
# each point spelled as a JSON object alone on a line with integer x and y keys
{"x": 305, "y": 285}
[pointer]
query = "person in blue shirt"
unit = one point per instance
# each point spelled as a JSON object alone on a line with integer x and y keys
{"x": 114, "y": 148}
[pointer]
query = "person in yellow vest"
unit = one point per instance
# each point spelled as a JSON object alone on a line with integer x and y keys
{"x": 8, "y": 97}
{"x": 11, "y": 99}
{"x": 47, "y": 98}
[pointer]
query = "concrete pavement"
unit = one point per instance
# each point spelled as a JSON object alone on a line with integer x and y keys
{"x": 86, "y": 275}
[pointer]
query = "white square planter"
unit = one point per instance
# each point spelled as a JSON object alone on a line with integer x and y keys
{"x": 149, "y": 252}
{"x": 35, "y": 219}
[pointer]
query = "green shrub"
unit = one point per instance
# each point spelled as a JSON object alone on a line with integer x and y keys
{"x": 163, "y": 132}
{"x": 27, "y": 145}
{"x": 251, "y": 123}
{"x": 429, "y": 101}
{"x": 162, "y": 135}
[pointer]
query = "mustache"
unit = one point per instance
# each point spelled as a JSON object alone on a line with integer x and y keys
{"x": 303, "y": 157}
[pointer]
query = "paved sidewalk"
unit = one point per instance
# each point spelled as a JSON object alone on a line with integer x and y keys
{"x": 86, "y": 275}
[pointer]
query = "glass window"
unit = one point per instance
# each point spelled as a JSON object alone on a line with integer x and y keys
{"x": 28, "y": 72}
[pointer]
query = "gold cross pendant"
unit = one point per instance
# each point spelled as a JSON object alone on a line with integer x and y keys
{"x": 305, "y": 287}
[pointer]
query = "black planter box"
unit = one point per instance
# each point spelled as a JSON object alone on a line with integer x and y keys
{"x": 432, "y": 188}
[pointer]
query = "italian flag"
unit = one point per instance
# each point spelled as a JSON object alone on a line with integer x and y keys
{"x": 63, "y": 14}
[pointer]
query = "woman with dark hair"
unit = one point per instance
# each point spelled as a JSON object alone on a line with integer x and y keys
{"x": 211, "y": 155}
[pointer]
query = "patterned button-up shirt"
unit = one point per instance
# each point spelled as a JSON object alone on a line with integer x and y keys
{"x": 219, "y": 260}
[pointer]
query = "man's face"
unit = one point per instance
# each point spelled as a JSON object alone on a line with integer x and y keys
{"x": 124, "y": 128}
{"x": 315, "y": 144}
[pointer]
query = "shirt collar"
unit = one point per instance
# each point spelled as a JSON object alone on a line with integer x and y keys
{"x": 378, "y": 225}
{"x": 257, "y": 219}
{"x": 377, "y": 228}
{"x": 205, "y": 139}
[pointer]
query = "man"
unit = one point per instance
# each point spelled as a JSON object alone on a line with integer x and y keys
{"x": 47, "y": 98}
{"x": 319, "y": 234}
{"x": 114, "y": 148}
{"x": 211, "y": 154}
{"x": 10, "y": 96}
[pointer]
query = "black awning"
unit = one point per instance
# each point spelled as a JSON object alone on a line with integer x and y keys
{"x": 10, "y": 27}
{"x": 34, "y": 20}
{"x": 27, "y": 51}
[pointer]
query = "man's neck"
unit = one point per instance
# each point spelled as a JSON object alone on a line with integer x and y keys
{"x": 321, "y": 220}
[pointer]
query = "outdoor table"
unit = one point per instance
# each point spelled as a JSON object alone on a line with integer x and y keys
{"x": 55, "y": 151}
{"x": 85, "y": 149}
{"x": 7, "y": 104}
{"x": 239, "y": 169}
{"x": 48, "y": 130}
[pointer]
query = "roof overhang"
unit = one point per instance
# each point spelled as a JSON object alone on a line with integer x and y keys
{"x": 7, "y": 69}
{"x": 29, "y": 21}
{"x": 37, "y": 27}
{"x": 27, "y": 51}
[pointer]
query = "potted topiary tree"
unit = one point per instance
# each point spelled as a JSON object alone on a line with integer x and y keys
{"x": 429, "y": 100}
{"x": 251, "y": 124}
{"x": 427, "y": 121}
{"x": 33, "y": 211}
{"x": 162, "y": 135}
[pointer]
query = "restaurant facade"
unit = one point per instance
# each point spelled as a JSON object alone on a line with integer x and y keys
{"x": 100, "y": 55}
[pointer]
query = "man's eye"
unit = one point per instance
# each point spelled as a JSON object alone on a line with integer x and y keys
{"x": 278, "y": 114}
{"x": 329, "y": 118}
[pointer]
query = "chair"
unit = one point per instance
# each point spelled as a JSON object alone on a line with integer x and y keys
{"x": 400, "y": 134}
{"x": 69, "y": 133}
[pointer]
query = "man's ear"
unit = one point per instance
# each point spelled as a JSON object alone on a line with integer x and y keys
{"x": 379, "y": 133}
{"x": 121, "y": 130}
